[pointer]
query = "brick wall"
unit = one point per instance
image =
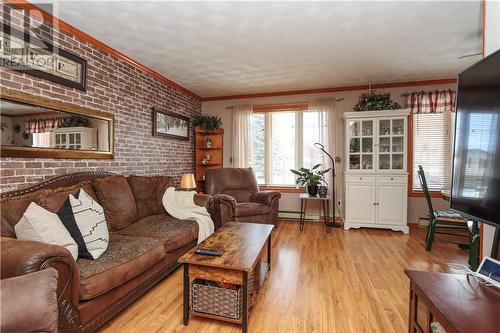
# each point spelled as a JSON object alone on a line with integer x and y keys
{"x": 116, "y": 87}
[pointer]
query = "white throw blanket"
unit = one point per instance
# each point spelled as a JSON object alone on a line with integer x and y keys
{"x": 180, "y": 204}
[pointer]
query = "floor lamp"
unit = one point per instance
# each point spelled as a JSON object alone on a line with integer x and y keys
{"x": 322, "y": 148}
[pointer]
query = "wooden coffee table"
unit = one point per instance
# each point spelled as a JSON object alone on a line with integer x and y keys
{"x": 243, "y": 246}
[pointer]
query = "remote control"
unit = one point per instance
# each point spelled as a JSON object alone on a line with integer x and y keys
{"x": 208, "y": 252}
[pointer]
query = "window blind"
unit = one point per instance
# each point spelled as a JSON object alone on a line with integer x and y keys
{"x": 432, "y": 148}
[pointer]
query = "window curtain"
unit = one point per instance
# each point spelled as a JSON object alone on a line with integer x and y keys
{"x": 241, "y": 136}
{"x": 42, "y": 125}
{"x": 326, "y": 137}
{"x": 433, "y": 119}
{"x": 431, "y": 101}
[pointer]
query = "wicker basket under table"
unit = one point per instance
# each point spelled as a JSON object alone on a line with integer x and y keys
{"x": 220, "y": 301}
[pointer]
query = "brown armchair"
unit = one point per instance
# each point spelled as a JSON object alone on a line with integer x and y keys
{"x": 237, "y": 195}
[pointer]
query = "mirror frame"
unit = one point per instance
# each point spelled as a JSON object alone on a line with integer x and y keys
{"x": 35, "y": 152}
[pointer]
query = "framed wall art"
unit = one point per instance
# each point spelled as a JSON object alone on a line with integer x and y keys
{"x": 29, "y": 54}
{"x": 170, "y": 124}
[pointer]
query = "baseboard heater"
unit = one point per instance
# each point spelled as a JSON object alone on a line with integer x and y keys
{"x": 289, "y": 215}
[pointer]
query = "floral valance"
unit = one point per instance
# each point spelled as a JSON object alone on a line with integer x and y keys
{"x": 431, "y": 101}
{"x": 43, "y": 125}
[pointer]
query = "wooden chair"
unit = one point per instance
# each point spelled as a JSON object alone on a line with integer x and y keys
{"x": 440, "y": 219}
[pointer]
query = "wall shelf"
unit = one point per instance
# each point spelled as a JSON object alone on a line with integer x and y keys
{"x": 201, "y": 152}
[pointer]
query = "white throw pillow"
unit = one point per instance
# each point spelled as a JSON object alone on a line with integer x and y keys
{"x": 40, "y": 225}
{"x": 84, "y": 218}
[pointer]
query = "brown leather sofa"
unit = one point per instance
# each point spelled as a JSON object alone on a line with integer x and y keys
{"x": 237, "y": 196}
{"x": 144, "y": 245}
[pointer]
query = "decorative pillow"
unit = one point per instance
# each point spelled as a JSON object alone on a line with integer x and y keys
{"x": 118, "y": 201}
{"x": 148, "y": 192}
{"x": 40, "y": 225}
{"x": 85, "y": 221}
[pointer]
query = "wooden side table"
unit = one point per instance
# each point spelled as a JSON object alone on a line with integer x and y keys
{"x": 325, "y": 206}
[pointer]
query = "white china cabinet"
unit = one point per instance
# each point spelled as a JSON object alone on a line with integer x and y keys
{"x": 376, "y": 178}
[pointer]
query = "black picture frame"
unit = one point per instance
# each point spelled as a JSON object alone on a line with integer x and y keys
{"x": 167, "y": 116}
{"x": 58, "y": 55}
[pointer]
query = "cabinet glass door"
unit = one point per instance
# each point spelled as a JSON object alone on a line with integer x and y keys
{"x": 397, "y": 151}
{"x": 367, "y": 132}
{"x": 391, "y": 144}
{"x": 361, "y": 144}
{"x": 354, "y": 144}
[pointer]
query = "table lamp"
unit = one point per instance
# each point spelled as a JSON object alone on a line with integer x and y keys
{"x": 188, "y": 182}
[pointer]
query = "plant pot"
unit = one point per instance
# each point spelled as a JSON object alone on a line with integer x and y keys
{"x": 323, "y": 191}
{"x": 312, "y": 190}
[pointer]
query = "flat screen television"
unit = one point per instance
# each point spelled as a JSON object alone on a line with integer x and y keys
{"x": 475, "y": 190}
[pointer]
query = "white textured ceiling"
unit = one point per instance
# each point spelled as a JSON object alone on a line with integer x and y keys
{"x": 227, "y": 48}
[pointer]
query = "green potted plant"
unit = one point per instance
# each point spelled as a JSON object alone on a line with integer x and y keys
{"x": 75, "y": 121}
{"x": 373, "y": 100}
{"x": 208, "y": 123}
{"x": 311, "y": 178}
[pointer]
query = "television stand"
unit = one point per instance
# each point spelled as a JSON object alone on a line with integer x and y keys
{"x": 455, "y": 302}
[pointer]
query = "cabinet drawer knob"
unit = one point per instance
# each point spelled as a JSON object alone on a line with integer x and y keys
{"x": 360, "y": 178}
{"x": 392, "y": 178}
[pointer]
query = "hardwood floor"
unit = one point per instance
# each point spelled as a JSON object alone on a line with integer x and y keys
{"x": 345, "y": 281}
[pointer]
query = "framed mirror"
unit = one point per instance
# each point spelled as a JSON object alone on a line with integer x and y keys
{"x": 33, "y": 126}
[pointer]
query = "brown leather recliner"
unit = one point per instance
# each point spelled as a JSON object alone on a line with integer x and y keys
{"x": 236, "y": 192}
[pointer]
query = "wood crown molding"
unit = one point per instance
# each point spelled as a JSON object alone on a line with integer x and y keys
{"x": 335, "y": 89}
{"x": 69, "y": 29}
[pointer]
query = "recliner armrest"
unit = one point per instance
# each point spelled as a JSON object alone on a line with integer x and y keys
{"x": 202, "y": 200}
{"x": 224, "y": 198}
{"x": 20, "y": 257}
{"x": 265, "y": 197}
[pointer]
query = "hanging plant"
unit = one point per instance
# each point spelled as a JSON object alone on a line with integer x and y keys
{"x": 372, "y": 101}
{"x": 208, "y": 123}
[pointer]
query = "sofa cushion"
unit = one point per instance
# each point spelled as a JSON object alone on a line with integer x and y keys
{"x": 239, "y": 183}
{"x": 13, "y": 208}
{"x": 52, "y": 199}
{"x": 251, "y": 208}
{"x": 117, "y": 199}
{"x": 148, "y": 192}
{"x": 125, "y": 258}
{"x": 173, "y": 233}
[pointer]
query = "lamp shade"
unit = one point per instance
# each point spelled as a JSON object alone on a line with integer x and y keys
{"x": 188, "y": 182}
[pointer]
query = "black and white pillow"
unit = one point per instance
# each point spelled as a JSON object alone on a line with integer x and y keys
{"x": 84, "y": 218}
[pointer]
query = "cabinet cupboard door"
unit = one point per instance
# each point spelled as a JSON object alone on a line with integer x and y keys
{"x": 391, "y": 208}
{"x": 360, "y": 203}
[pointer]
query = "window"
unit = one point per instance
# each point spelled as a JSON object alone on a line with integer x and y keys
{"x": 41, "y": 139}
{"x": 432, "y": 148}
{"x": 284, "y": 140}
{"x": 257, "y": 146}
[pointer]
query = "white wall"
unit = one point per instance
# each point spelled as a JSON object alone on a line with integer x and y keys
{"x": 491, "y": 44}
{"x": 290, "y": 202}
